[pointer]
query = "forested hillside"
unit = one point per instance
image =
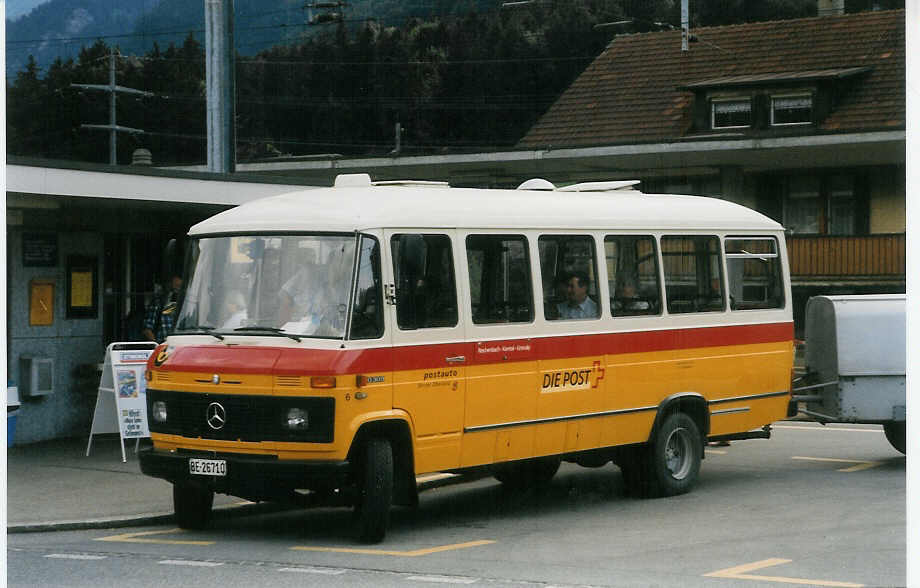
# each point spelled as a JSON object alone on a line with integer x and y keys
{"x": 457, "y": 75}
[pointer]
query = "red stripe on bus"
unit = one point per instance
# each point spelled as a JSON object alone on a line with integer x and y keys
{"x": 291, "y": 361}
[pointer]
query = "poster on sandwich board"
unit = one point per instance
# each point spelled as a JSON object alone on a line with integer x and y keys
{"x": 121, "y": 404}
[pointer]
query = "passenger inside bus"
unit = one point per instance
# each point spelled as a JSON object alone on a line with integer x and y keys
{"x": 626, "y": 300}
{"x": 234, "y": 311}
{"x": 578, "y": 304}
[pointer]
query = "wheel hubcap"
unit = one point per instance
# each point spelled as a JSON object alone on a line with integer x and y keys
{"x": 678, "y": 452}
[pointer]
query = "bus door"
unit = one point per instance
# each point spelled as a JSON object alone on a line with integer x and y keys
{"x": 572, "y": 370}
{"x": 430, "y": 357}
{"x": 502, "y": 380}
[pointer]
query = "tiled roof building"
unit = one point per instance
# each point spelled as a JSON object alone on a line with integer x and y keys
{"x": 644, "y": 89}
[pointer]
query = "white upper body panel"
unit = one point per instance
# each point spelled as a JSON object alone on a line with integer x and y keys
{"x": 357, "y": 208}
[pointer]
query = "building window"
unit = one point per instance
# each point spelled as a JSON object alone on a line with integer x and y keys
{"x": 841, "y": 205}
{"x": 731, "y": 113}
{"x": 824, "y": 205}
{"x": 791, "y": 110}
{"x": 803, "y": 205}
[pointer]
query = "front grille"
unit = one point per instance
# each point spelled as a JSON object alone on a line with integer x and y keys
{"x": 247, "y": 418}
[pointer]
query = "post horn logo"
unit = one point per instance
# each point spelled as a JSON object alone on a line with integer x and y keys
{"x": 161, "y": 357}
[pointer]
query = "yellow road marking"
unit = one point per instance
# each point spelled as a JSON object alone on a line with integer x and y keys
{"x": 741, "y": 573}
{"x": 718, "y": 451}
{"x": 860, "y": 465}
{"x": 141, "y": 538}
{"x": 827, "y": 429}
{"x": 413, "y": 553}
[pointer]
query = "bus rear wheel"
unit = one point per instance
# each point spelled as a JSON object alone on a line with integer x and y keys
{"x": 192, "y": 505}
{"x": 674, "y": 457}
{"x": 896, "y": 433}
{"x": 375, "y": 491}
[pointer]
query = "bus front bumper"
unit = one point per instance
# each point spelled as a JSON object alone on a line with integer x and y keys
{"x": 255, "y": 477}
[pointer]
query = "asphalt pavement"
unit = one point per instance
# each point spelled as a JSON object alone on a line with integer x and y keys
{"x": 54, "y": 486}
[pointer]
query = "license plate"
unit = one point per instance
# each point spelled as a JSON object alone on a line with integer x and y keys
{"x": 207, "y": 467}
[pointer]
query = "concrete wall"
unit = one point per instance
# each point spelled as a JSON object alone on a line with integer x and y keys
{"x": 70, "y": 342}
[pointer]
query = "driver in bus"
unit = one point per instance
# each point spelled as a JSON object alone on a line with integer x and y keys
{"x": 299, "y": 294}
{"x": 578, "y": 304}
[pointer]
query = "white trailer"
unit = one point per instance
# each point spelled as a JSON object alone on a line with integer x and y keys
{"x": 855, "y": 358}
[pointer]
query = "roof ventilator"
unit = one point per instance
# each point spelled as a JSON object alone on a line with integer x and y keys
{"x": 611, "y": 186}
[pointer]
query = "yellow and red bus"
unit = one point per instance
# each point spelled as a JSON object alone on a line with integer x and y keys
{"x": 345, "y": 340}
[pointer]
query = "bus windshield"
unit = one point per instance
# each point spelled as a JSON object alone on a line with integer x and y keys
{"x": 295, "y": 285}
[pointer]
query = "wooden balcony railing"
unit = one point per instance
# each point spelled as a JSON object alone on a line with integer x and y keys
{"x": 846, "y": 258}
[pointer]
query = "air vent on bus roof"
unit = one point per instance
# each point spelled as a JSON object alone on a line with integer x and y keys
{"x": 541, "y": 184}
{"x": 352, "y": 181}
{"x": 600, "y": 186}
{"x": 537, "y": 184}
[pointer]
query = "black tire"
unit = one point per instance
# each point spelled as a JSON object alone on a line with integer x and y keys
{"x": 192, "y": 505}
{"x": 673, "y": 457}
{"x": 896, "y": 433}
{"x": 527, "y": 474}
{"x": 375, "y": 491}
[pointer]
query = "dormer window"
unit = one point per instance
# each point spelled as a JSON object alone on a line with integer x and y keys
{"x": 731, "y": 113}
{"x": 763, "y": 103}
{"x": 794, "y": 109}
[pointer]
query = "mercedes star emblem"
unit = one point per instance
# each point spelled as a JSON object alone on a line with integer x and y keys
{"x": 217, "y": 416}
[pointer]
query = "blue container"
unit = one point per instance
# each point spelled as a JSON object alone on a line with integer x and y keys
{"x": 11, "y": 427}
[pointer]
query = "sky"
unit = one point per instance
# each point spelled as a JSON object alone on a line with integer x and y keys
{"x": 17, "y": 8}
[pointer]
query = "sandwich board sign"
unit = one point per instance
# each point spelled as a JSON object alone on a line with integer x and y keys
{"x": 121, "y": 404}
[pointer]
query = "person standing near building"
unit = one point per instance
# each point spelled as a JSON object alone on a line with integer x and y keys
{"x": 161, "y": 314}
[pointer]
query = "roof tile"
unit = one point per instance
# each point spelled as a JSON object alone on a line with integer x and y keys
{"x": 631, "y": 92}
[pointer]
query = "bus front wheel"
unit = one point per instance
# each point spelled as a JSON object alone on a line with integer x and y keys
{"x": 375, "y": 491}
{"x": 192, "y": 505}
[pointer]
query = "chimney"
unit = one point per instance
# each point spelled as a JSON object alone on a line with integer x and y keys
{"x": 831, "y": 7}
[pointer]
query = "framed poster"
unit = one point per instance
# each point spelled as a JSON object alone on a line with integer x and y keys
{"x": 41, "y": 303}
{"x": 82, "y": 287}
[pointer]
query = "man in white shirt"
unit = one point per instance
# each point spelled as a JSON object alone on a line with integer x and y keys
{"x": 577, "y": 305}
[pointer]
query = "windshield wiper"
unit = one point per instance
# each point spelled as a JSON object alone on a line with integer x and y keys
{"x": 200, "y": 330}
{"x": 268, "y": 330}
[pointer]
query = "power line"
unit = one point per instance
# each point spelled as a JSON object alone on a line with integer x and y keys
{"x": 113, "y": 128}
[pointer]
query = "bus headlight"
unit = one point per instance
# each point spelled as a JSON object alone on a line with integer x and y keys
{"x": 297, "y": 419}
{"x": 158, "y": 410}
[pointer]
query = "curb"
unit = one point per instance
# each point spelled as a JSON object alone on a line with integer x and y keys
{"x": 220, "y": 512}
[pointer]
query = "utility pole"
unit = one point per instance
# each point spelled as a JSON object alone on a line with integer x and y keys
{"x": 112, "y": 127}
{"x": 221, "y": 91}
{"x": 684, "y": 25}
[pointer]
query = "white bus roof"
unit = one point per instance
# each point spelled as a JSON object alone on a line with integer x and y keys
{"x": 349, "y": 208}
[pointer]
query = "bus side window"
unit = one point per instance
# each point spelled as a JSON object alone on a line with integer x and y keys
{"x": 632, "y": 265}
{"x": 499, "y": 268}
{"x": 754, "y": 273}
{"x": 367, "y": 313}
{"x": 693, "y": 274}
{"x": 569, "y": 272}
{"x": 426, "y": 291}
